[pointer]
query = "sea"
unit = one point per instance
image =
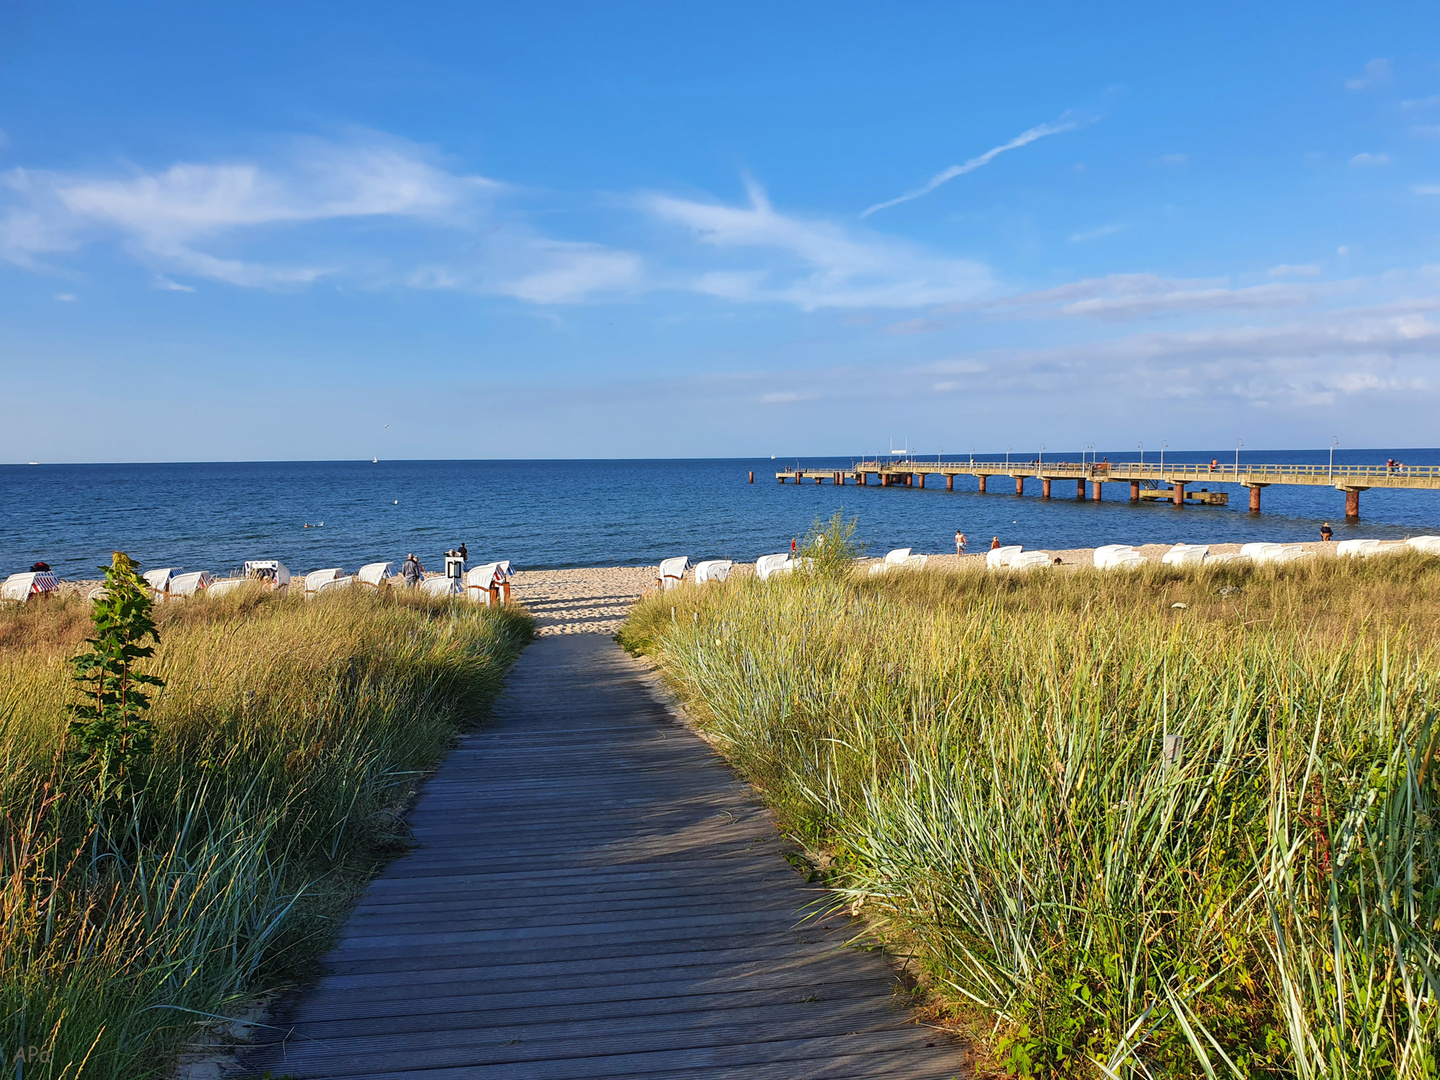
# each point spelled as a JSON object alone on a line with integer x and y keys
{"x": 552, "y": 514}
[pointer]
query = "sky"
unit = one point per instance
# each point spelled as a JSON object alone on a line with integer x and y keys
{"x": 330, "y": 231}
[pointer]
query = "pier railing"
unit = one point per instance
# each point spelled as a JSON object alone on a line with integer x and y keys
{"x": 1358, "y": 475}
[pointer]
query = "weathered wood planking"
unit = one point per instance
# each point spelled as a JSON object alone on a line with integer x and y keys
{"x": 593, "y": 894}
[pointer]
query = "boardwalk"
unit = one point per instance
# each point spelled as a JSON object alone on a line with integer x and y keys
{"x": 593, "y": 894}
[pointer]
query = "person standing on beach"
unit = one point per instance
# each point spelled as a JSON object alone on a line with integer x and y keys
{"x": 1325, "y": 531}
{"x": 411, "y": 570}
{"x": 792, "y": 545}
{"x": 959, "y": 542}
{"x": 994, "y": 542}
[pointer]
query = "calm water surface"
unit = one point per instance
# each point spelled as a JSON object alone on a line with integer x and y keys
{"x": 543, "y": 514}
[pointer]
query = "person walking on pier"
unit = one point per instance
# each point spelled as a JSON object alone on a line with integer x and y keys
{"x": 959, "y": 542}
{"x": 1325, "y": 532}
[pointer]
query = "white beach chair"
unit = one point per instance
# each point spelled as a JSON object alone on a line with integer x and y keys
{"x": 1364, "y": 549}
{"x": 1275, "y": 553}
{"x": 197, "y": 581}
{"x": 1186, "y": 555}
{"x": 159, "y": 581}
{"x": 712, "y": 570}
{"x": 272, "y": 573}
{"x": 339, "y": 583}
{"x": 767, "y": 566}
{"x": 440, "y": 585}
{"x": 21, "y": 587}
{"x": 1430, "y": 545}
{"x": 373, "y": 574}
{"x": 897, "y": 557}
{"x": 1228, "y": 557}
{"x": 1031, "y": 560}
{"x": 483, "y": 583}
{"x": 1108, "y": 553}
{"x": 915, "y": 562}
{"x": 672, "y": 572}
{"x": 316, "y": 579}
{"x": 1001, "y": 557}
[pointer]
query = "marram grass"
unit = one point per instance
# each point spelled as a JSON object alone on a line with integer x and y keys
{"x": 983, "y": 758}
{"x": 288, "y": 736}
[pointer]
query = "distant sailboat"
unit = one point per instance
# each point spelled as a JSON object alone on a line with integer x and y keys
{"x": 375, "y": 461}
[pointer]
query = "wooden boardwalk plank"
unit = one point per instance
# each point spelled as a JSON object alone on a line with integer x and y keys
{"x": 593, "y": 894}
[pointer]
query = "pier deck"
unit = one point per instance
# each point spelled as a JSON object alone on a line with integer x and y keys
{"x": 1351, "y": 479}
{"x": 594, "y": 894}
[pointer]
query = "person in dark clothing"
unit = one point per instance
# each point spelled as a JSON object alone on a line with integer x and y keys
{"x": 464, "y": 552}
{"x": 412, "y": 571}
{"x": 1325, "y": 531}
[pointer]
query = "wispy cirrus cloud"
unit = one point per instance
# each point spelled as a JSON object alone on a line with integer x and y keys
{"x": 1368, "y": 160}
{"x": 1068, "y": 122}
{"x": 813, "y": 263}
{"x": 1119, "y": 297}
{"x": 1097, "y": 233}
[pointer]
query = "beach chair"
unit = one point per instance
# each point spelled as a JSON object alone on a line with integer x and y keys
{"x": 712, "y": 570}
{"x": 897, "y": 557}
{"x": 1031, "y": 560}
{"x": 672, "y": 572}
{"x": 159, "y": 582}
{"x": 767, "y": 566}
{"x": 1228, "y": 557}
{"x": 317, "y": 579}
{"x": 373, "y": 575}
{"x": 440, "y": 585}
{"x": 1001, "y": 557}
{"x": 1430, "y": 545}
{"x": 21, "y": 587}
{"x": 197, "y": 581}
{"x": 1261, "y": 553}
{"x": 1108, "y": 553}
{"x": 1186, "y": 555}
{"x": 270, "y": 572}
{"x": 483, "y": 583}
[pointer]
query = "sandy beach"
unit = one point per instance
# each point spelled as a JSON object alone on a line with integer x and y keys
{"x": 596, "y": 599}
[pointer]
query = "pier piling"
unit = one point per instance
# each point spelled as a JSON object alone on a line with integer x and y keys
{"x": 949, "y": 481}
{"x": 1044, "y": 487}
{"x": 752, "y": 476}
{"x": 1080, "y": 492}
{"x": 1352, "y": 504}
{"x": 1255, "y": 498}
{"x": 1135, "y": 491}
{"x": 1095, "y": 486}
{"x": 1179, "y": 490}
{"x": 1019, "y": 485}
{"x": 981, "y": 480}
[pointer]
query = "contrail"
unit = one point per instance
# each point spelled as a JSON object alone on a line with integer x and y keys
{"x": 1025, "y": 137}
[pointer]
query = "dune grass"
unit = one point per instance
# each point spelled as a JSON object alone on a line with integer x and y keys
{"x": 288, "y": 737}
{"x": 981, "y": 759}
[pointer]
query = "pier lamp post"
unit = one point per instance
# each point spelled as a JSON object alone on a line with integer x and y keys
{"x": 1091, "y": 448}
{"x": 1238, "y": 443}
{"x": 1142, "y": 455}
{"x": 1007, "y": 456}
{"x": 1334, "y": 442}
{"x": 1163, "y": 447}
{"x": 972, "y": 457}
{"x": 1042, "y": 457}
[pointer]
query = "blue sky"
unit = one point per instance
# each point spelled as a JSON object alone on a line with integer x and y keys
{"x": 546, "y": 230}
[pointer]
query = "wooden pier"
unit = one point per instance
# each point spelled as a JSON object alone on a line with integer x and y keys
{"x": 1144, "y": 480}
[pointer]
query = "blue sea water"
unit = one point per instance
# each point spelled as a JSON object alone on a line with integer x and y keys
{"x": 544, "y": 514}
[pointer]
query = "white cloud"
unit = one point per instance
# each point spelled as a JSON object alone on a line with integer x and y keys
{"x": 1065, "y": 123}
{"x": 65, "y": 297}
{"x": 1301, "y": 270}
{"x": 200, "y": 220}
{"x": 1174, "y": 159}
{"x": 167, "y": 285}
{"x": 1129, "y": 296}
{"x": 1376, "y": 71}
{"x": 1095, "y": 234}
{"x": 1363, "y": 160}
{"x": 815, "y": 263}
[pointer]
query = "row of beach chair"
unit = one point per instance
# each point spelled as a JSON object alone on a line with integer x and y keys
{"x": 486, "y": 584}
